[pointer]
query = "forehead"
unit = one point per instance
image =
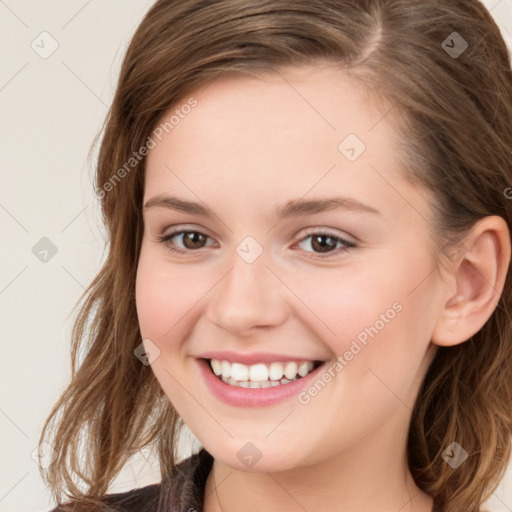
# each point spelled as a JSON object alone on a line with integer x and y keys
{"x": 282, "y": 134}
{"x": 312, "y": 103}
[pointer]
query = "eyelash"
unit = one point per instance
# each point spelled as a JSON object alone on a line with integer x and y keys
{"x": 348, "y": 245}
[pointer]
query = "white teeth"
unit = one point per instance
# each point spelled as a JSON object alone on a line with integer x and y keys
{"x": 276, "y": 371}
{"x": 258, "y": 372}
{"x": 304, "y": 368}
{"x": 225, "y": 368}
{"x": 239, "y": 371}
{"x": 260, "y": 375}
{"x": 256, "y": 384}
{"x": 290, "y": 370}
{"x": 216, "y": 366}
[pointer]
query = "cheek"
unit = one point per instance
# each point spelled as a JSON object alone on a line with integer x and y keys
{"x": 344, "y": 303}
{"x": 165, "y": 299}
{"x": 374, "y": 316}
{"x": 165, "y": 293}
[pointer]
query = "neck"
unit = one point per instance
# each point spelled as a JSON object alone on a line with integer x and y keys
{"x": 368, "y": 478}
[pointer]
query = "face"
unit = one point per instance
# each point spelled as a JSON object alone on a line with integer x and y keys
{"x": 315, "y": 249}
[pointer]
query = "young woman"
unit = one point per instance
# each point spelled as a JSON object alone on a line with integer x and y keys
{"x": 309, "y": 210}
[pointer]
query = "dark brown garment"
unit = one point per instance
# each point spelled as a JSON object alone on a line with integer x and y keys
{"x": 183, "y": 493}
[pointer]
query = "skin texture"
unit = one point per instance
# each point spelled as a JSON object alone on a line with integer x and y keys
{"x": 250, "y": 146}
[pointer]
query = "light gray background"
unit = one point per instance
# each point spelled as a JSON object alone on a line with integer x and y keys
{"x": 51, "y": 108}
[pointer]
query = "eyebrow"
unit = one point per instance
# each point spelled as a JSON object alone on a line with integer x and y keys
{"x": 293, "y": 208}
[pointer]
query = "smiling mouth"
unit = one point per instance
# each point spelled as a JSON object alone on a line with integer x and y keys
{"x": 261, "y": 375}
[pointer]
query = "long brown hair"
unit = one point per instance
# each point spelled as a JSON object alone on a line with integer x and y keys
{"x": 457, "y": 141}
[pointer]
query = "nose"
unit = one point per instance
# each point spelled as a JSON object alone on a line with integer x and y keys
{"x": 248, "y": 296}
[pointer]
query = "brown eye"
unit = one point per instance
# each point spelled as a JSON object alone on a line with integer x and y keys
{"x": 190, "y": 241}
{"x": 193, "y": 239}
{"x": 323, "y": 243}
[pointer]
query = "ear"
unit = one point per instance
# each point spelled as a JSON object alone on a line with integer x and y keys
{"x": 475, "y": 282}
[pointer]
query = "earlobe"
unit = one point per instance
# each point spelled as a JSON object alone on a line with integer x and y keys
{"x": 478, "y": 277}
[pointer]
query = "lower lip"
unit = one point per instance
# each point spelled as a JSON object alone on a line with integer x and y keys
{"x": 253, "y": 397}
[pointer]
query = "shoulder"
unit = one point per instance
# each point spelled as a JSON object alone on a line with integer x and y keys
{"x": 142, "y": 499}
{"x": 183, "y": 489}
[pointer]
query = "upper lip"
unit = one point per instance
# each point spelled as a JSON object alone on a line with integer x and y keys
{"x": 253, "y": 358}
